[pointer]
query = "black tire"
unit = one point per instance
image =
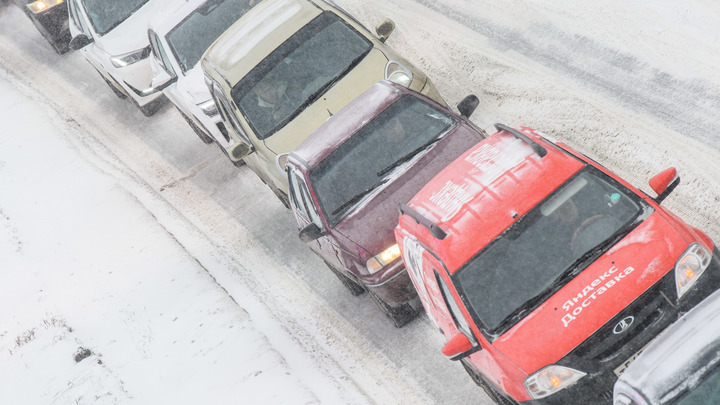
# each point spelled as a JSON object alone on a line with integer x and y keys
{"x": 151, "y": 108}
{"x": 400, "y": 316}
{"x": 207, "y": 139}
{"x": 284, "y": 199}
{"x": 117, "y": 92}
{"x": 499, "y": 398}
{"x": 353, "y": 286}
{"x": 239, "y": 163}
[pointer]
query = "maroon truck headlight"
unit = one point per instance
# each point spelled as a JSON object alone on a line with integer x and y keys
{"x": 382, "y": 259}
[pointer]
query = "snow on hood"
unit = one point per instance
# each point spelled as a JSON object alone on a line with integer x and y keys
{"x": 595, "y": 296}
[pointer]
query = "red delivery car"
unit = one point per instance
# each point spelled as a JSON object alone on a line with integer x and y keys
{"x": 546, "y": 273}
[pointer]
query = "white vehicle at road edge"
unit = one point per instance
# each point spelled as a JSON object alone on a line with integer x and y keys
{"x": 113, "y": 38}
{"x": 177, "y": 42}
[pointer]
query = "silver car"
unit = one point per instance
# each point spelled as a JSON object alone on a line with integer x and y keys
{"x": 680, "y": 367}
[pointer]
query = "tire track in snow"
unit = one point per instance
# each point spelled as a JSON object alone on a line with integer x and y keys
{"x": 690, "y": 107}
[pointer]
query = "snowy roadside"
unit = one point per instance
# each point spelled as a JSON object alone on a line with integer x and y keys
{"x": 107, "y": 305}
{"x": 174, "y": 177}
{"x": 623, "y": 125}
{"x": 230, "y": 222}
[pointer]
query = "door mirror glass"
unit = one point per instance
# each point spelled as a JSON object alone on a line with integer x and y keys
{"x": 468, "y": 105}
{"x": 384, "y": 29}
{"x": 239, "y": 151}
{"x": 458, "y": 347}
{"x": 310, "y": 233}
{"x": 80, "y": 42}
{"x": 162, "y": 80}
{"x": 664, "y": 183}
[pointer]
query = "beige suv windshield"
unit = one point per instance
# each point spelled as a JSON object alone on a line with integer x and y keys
{"x": 298, "y": 72}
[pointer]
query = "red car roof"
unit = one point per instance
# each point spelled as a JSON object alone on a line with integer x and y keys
{"x": 487, "y": 189}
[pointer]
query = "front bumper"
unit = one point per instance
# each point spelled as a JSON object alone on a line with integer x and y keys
{"x": 52, "y": 24}
{"x": 211, "y": 125}
{"x": 604, "y": 353}
{"x": 392, "y": 285}
{"x": 134, "y": 80}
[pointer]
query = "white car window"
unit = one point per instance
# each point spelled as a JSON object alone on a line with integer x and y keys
{"x": 160, "y": 54}
{"x": 76, "y": 18}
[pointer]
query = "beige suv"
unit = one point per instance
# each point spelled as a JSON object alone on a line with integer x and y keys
{"x": 286, "y": 67}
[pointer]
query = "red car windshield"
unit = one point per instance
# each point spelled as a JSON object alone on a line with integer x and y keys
{"x": 546, "y": 247}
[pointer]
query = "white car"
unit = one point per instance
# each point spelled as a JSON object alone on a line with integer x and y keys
{"x": 178, "y": 41}
{"x": 113, "y": 38}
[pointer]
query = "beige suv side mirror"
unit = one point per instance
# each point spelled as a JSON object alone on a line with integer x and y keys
{"x": 384, "y": 29}
{"x": 239, "y": 151}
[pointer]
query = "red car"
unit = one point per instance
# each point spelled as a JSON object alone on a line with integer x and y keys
{"x": 347, "y": 179}
{"x": 545, "y": 272}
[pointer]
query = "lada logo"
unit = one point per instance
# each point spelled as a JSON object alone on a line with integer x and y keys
{"x": 623, "y": 325}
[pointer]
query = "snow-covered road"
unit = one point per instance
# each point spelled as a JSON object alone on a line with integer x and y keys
{"x": 632, "y": 84}
{"x": 95, "y": 264}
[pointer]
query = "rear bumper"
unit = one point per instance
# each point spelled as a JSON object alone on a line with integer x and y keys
{"x": 52, "y": 24}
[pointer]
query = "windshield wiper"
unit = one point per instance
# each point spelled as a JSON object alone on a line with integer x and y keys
{"x": 408, "y": 156}
{"x": 577, "y": 266}
{"x": 358, "y": 196}
{"x": 314, "y": 96}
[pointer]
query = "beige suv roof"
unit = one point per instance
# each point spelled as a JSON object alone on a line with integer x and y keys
{"x": 264, "y": 28}
{"x": 248, "y": 43}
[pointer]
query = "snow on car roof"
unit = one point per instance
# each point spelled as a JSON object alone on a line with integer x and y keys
{"x": 347, "y": 121}
{"x": 488, "y": 188}
{"x": 247, "y": 42}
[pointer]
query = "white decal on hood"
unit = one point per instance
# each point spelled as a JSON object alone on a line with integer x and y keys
{"x": 493, "y": 160}
{"x": 413, "y": 255}
{"x": 451, "y": 198}
{"x": 585, "y": 297}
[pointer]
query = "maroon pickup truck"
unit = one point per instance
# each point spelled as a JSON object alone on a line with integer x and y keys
{"x": 348, "y": 178}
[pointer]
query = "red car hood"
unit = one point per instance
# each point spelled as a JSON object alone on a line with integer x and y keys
{"x": 594, "y": 297}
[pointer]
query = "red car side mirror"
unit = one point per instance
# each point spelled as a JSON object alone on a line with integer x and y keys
{"x": 664, "y": 183}
{"x": 459, "y": 346}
